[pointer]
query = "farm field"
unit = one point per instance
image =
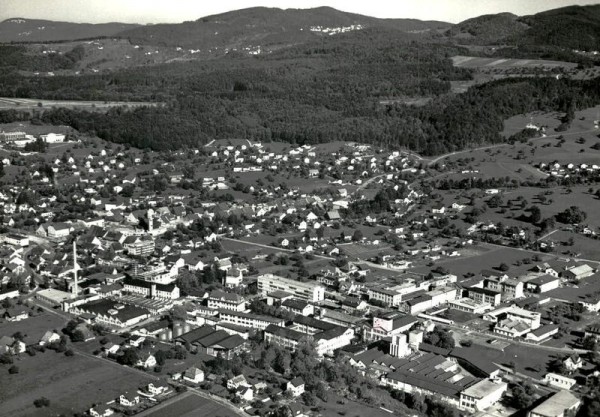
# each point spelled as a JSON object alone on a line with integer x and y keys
{"x": 7, "y": 103}
{"x": 478, "y": 62}
{"x": 83, "y": 381}
{"x": 188, "y": 405}
{"x": 559, "y": 200}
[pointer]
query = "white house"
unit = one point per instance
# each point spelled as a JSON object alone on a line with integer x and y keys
{"x": 295, "y": 386}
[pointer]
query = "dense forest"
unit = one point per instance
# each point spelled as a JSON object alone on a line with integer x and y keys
{"x": 447, "y": 123}
{"x": 17, "y": 57}
{"x": 339, "y": 88}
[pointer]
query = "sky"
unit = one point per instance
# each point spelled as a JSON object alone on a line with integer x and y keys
{"x": 174, "y": 11}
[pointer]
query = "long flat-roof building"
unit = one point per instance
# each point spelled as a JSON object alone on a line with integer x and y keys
{"x": 561, "y": 404}
{"x": 11, "y": 136}
{"x": 307, "y": 290}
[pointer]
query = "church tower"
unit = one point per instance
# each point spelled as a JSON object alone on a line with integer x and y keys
{"x": 150, "y": 220}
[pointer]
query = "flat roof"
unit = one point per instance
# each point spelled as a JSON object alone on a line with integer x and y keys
{"x": 55, "y": 295}
{"x": 557, "y": 404}
{"x": 483, "y": 388}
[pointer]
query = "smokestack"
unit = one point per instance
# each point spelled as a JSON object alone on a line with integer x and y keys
{"x": 75, "y": 267}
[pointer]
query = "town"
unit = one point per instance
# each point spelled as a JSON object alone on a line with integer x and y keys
{"x": 270, "y": 279}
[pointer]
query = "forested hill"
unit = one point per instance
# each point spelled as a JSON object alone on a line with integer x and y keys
{"x": 448, "y": 123}
{"x": 267, "y": 27}
{"x": 573, "y": 27}
{"x": 35, "y": 30}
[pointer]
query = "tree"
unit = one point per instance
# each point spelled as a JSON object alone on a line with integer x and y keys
{"x": 357, "y": 236}
{"x": 41, "y": 402}
{"x": 6, "y": 359}
{"x": 535, "y": 214}
{"x": 78, "y": 336}
{"x": 503, "y": 267}
{"x": 441, "y": 338}
{"x": 557, "y": 366}
{"x": 522, "y": 396}
{"x": 309, "y": 398}
{"x": 572, "y": 215}
{"x": 13, "y": 370}
{"x": 129, "y": 357}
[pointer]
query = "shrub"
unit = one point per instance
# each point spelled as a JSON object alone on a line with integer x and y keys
{"x": 41, "y": 402}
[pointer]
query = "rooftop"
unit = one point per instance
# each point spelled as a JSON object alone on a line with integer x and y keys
{"x": 484, "y": 388}
{"x": 557, "y": 404}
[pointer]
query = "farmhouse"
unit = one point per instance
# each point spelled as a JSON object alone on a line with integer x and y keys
{"x": 578, "y": 272}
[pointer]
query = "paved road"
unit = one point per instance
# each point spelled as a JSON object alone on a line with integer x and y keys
{"x": 367, "y": 182}
{"x": 260, "y": 245}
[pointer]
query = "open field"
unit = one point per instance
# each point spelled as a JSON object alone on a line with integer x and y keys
{"x": 487, "y": 257}
{"x": 32, "y": 328}
{"x": 585, "y": 247}
{"x": 7, "y": 103}
{"x": 336, "y": 407}
{"x": 478, "y": 62}
{"x": 188, "y": 405}
{"x": 72, "y": 384}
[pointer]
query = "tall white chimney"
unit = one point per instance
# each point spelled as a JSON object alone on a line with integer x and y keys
{"x": 75, "y": 268}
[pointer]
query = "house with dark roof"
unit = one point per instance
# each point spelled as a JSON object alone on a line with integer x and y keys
{"x": 101, "y": 410}
{"x": 542, "y": 284}
{"x": 295, "y": 387}
{"x": 297, "y": 306}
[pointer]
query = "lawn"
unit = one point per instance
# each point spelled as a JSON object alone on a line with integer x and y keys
{"x": 585, "y": 247}
{"x": 34, "y": 327}
{"x": 336, "y": 407}
{"x": 488, "y": 257}
{"x": 188, "y": 405}
{"x": 72, "y": 384}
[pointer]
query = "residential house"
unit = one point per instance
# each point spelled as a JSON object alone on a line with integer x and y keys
{"x": 237, "y": 381}
{"x": 295, "y": 387}
{"x": 49, "y": 337}
{"x": 158, "y": 388}
{"x": 147, "y": 361}
{"x": 101, "y": 410}
{"x": 129, "y": 399}
{"x": 193, "y": 375}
